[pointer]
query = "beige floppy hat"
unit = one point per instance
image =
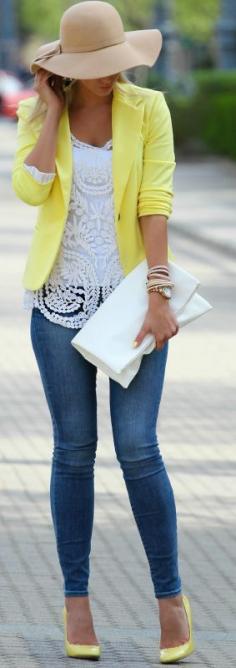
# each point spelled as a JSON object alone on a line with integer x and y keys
{"x": 93, "y": 44}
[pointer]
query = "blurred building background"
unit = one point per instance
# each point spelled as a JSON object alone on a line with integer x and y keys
{"x": 196, "y": 69}
{"x": 9, "y": 43}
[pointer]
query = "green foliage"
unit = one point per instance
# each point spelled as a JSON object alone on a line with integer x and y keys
{"x": 218, "y": 127}
{"x": 184, "y": 119}
{"x": 42, "y": 17}
{"x": 155, "y": 80}
{"x": 196, "y": 20}
{"x": 136, "y": 14}
{"x": 215, "y": 81}
{"x": 204, "y": 120}
{"x": 208, "y": 116}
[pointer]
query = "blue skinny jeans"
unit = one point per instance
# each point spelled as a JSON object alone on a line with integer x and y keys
{"x": 69, "y": 384}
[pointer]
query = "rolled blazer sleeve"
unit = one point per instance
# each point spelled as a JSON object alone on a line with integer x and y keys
{"x": 26, "y": 187}
{"x": 41, "y": 177}
{"x": 156, "y": 190}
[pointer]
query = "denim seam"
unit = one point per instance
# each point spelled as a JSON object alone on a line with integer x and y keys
{"x": 48, "y": 390}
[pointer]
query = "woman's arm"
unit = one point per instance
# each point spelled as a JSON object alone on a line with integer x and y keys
{"x": 156, "y": 188}
{"x": 25, "y": 185}
{"x": 154, "y": 208}
{"x": 160, "y": 319}
{"x": 43, "y": 154}
{"x": 38, "y": 151}
{"x": 155, "y": 237}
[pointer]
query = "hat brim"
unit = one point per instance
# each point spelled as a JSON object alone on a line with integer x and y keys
{"x": 141, "y": 47}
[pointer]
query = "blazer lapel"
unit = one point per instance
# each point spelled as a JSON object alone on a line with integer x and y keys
{"x": 127, "y": 118}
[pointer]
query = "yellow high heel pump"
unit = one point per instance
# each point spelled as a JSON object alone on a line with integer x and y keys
{"x": 172, "y": 654}
{"x": 75, "y": 649}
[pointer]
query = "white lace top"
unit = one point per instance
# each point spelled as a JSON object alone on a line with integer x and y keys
{"x": 88, "y": 266}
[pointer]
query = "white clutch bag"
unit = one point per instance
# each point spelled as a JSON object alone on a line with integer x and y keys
{"x": 106, "y": 338}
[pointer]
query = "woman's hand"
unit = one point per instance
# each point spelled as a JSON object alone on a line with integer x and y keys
{"x": 52, "y": 95}
{"x": 160, "y": 320}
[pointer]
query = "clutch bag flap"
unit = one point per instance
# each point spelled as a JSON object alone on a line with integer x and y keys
{"x": 106, "y": 338}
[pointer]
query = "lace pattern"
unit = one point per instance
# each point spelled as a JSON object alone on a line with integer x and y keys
{"x": 88, "y": 266}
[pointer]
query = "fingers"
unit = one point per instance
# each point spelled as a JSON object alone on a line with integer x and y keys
{"x": 160, "y": 342}
{"x": 140, "y": 336}
{"x": 175, "y": 330}
{"x": 42, "y": 73}
{"x": 40, "y": 78}
{"x": 50, "y": 92}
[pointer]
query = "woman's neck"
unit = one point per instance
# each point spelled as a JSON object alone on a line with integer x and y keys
{"x": 84, "y": 98}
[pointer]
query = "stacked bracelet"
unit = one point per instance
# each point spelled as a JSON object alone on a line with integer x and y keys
{"x": 158, "y": 276}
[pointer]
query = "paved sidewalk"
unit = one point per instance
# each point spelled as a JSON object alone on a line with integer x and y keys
{"x": 197, "y": 424}
{"x": 205, "y": 202}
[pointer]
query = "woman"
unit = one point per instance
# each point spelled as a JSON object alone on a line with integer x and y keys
{"x": 75, "y": 142}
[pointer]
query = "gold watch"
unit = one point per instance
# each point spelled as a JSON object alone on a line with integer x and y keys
{"x": 165, "y": 291}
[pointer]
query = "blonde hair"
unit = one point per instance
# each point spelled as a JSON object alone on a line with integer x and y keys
{"x": 40, "y": 107}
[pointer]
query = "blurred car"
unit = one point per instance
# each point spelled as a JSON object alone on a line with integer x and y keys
{"x": 12, "y": 91}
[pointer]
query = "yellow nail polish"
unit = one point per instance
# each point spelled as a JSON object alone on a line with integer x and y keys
{"x": 135, "y": 343}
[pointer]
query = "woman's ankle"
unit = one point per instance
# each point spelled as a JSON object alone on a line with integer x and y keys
{"x": 170, "y": 601}
{"x": 77, "y": 602}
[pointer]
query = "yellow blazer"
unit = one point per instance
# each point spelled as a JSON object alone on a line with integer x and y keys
{"x": 143, "y": 163}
